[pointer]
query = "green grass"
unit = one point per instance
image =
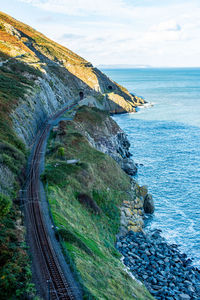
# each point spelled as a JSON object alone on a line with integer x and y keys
{"x": 89, "y": 237}
{"x": 92, "y": 115}
{"x": 15, "y": 273}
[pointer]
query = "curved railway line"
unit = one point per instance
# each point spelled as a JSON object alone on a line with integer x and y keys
{"x": 52, "y": 277}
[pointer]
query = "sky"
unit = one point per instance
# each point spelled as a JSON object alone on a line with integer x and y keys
{"x": 157, "y": 33}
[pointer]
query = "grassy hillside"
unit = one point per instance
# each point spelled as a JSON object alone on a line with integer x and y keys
{"x": 85, "y": 200}
{"x": 15, "y": 273}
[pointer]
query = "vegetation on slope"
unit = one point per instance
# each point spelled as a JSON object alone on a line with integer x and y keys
{"x": 15, "y": 273}
{"x": 85, "y": 200}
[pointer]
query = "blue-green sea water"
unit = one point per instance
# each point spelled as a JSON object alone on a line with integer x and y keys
{"x": 165, "y": 138}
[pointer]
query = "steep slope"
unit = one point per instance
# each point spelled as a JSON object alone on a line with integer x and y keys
{"x": 85, "y": 200}
{"x": 52, "y": 75}
{"x": 37, "y": 77}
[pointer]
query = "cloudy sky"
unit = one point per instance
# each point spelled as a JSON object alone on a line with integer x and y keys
{"x": 137, "y": 32}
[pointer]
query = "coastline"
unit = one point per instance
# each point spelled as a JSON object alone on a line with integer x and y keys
{"x": 166, "y": 272}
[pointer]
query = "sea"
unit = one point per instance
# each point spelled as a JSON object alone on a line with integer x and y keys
{"x": 165, "y": 143}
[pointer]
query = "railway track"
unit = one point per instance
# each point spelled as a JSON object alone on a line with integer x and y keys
{"x": 52, "y": 278}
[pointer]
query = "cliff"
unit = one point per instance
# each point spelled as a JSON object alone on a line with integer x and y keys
{"x": 37, "y": 77}
{"x": 53, "y": 75}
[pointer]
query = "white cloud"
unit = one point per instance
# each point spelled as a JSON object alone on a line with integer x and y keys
{"x": 46, "y": 19}
{"x": 117, "y": 31}
{"x": 170, "y": 25}
{"x": 72, "y": 36}
{"x": 83, "y": 7}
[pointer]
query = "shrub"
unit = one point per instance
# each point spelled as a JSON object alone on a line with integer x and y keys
{"x": 88, "y": 202}
{"x": 61, "y": 152}
{"x": 5, "y": 205}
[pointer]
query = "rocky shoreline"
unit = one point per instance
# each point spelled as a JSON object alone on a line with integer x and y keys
{"x": 166, "y": 272}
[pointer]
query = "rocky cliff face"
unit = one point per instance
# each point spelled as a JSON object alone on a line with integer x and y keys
{"x": 106, "y": 136}
{"x": 62, "y": 77}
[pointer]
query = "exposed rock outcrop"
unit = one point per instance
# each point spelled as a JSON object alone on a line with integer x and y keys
{"x": 148, "y": 204}
{"x": 106, "y": 136}
{"x": 128, "y": 166}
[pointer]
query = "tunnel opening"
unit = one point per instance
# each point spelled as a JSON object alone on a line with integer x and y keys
{"x": 110, "y": 87}
{"x": 81, "y": 95}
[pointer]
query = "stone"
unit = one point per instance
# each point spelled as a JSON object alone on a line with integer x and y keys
{"x": 140, "y": 222}
{"x": 138, "y": 205}
{"x": 128, "y": 212}
{"x": 163, "y": 273}
{"x": 126, "y": 203}
{"x": 143, "y": 190}
{"x": 132, "y": 223}
{"x": 166, "y": 260}
{"x": 135, "y": 256}
{"x": 191, "y": 289}
{"x": 156, "y": 287}
{"x": 72, "y": 161}
{"x": 129, "y": 166}
{"x": 119, "y": 245}
{"x": 148, "y": 204}
{"x": 124, "y": 221}
{"x": 140, "y": 212}
{"x": 163, "y": 276}
{"x": 153, "y": 280}
{"x": 160, "y": 255}
{"x": 134, "y": 228}
{"x": 184, "y": 297}
{"x": 187, "y": 282}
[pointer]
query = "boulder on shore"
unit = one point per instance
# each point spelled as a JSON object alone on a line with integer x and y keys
{"x": 148, "y": 204}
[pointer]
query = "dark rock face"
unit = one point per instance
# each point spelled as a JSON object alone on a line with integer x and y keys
{"x": 115, "y": 145}
{"x": 106, "y": 136}
{"x": 128, "y": 166}
{"x": 166, "y": 272}
{"x": 148, "y": 204}
{"x": 123, "y": 145}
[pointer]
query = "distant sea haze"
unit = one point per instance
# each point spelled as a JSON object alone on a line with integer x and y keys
{"x": 165, "y": 138}
{"x": 122, "y": 66}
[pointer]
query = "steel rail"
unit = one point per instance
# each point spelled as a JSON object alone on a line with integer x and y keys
{"x": 51, "y": 272}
